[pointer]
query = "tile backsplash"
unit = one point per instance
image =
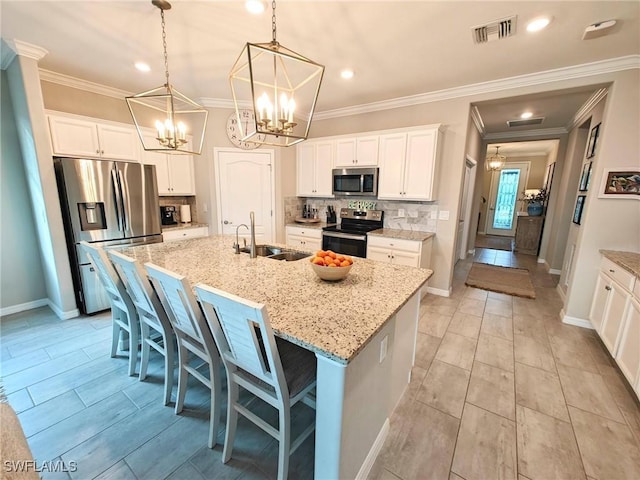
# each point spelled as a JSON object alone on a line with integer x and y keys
{"x": 418, "y": 216}
{"x": 177, "y": 201}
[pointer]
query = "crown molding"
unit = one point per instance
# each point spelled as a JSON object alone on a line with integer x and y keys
{"x": 477, "y": 120}
{"x": 543, "y": 132}
{"x": 86, "y": 85}
{"x": 222, "y": 103}
{"x": 565, "y": 73}
{"x": 585, "y": 110}
{"x": 25, "y": 49}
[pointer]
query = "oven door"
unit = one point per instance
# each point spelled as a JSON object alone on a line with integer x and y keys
{"x": 345, "y": 243}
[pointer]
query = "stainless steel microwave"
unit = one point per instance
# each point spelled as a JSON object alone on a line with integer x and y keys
{"x": 355, "y": 182}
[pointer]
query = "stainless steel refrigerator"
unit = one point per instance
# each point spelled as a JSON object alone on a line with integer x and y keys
{"x": 107, "y": 203}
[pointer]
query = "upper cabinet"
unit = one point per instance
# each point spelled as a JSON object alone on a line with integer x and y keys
{"x": 361, "y": 151}
{"x": 76, "y": 137}
{"x": 175, "y": 173}
{"x": 408, "y": 164}
{"x": 314, "y": 164}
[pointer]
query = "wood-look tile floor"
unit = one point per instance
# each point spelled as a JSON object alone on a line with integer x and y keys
{"x": 501, "y": 389}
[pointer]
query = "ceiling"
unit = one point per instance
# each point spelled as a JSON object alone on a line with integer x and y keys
{"x": 396, "y": 48}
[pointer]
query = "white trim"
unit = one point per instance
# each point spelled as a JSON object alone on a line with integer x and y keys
{"x": 527, "y": 133}
{"x": 585, "y": 110}
{"x": 542, "y": 260}
{"x": 472, "y": 251}
{"x": 562, "y": 295}
{"x": 578, "y": 322}
{"x": 554, "y": 271}
{"x": 477, "y": 120}
{"x": 10, "y": 310}
{"x": 25, "y": 49}
{"x": 365, "y": 469}
{"x": 223, "y": 103}
{"x": 547, "y": 76}
{"x": 439, "y": 291}
{"x": 61, "y": 314}
{"x": 86, "y": 85}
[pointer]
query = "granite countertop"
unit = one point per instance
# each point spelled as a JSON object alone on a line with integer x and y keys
{"x": 402, "y": 234}
{"x": 317, "y": 225}
{"x": 630, "y": 261}
{"x": 180, "y": 226}
{"x": 333, "y": 319}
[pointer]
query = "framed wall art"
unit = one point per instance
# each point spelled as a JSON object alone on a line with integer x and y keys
{"x": 621, "y": 182}
{"x": 585, "y": 178}
{"x": 577, "y": 213}
{"x": 593, "y": 141}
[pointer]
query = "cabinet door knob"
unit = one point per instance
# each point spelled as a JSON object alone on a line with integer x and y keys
{"x": 607, "y": 288}
{"x": 612, "y": 271}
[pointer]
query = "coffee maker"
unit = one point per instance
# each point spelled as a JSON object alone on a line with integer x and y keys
{"x": 168, "y": 215}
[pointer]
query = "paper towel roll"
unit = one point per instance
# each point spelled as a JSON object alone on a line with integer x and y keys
{"x": 185, "y": 213}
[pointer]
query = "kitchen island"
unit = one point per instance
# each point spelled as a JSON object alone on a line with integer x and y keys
{"x": 362, "y": 330}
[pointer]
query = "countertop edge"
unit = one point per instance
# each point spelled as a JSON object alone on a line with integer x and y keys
{"x": 630, "y": 261}
{"x": 416, "y": 236}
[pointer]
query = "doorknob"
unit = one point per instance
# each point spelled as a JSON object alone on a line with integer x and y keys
{"x": 227, "y": 222}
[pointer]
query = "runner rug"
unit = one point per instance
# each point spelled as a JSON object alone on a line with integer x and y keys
{"x": 512, "y": 281}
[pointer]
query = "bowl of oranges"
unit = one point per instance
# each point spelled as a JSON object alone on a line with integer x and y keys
{"x": 331, "y": 266}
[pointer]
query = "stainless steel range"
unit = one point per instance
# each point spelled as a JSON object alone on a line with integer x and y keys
{"x": 350, "y": 237}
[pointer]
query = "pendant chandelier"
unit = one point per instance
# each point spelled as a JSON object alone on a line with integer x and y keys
{"x": 168, "y": 121}
{"x": 495, "y": 161}
{"x": 280, "y": 86}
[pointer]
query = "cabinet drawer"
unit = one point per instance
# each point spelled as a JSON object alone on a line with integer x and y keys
{"x": 617, "y": 273}
{"x": 305, "y": 232}
{"x": 394, "y": 243}
{"x": 184, "y": 233}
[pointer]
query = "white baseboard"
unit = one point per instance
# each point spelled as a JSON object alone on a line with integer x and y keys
{"x": 482, "y": 232}
{"x": 365, "y": 469}
{"x": 472, "y": 251}
{"x": 61, "y": 314}
{"x": 438, "y": 291}
{"x": 541, "y": 260}
{"x": 578, "y": 322}
{"x": 554, "y": 271}
{"x": 42, "y": 302}
{"x": 562, "y": 295}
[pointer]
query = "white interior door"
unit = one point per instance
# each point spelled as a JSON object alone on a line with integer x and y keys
{"x": 507, "y": 185}
{"x": 245, "y": 183}
{"x": 464, "y": 221}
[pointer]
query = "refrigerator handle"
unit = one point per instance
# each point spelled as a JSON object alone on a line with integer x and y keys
{"x": 124, "y": 195}
{"x": 117, "y": 193}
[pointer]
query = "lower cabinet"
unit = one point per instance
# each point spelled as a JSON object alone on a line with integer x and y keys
{"x": 309, "y": 239}
{"x": 615, "y": 314}
{"x": 528, "y": 232}
{"x": 184, "y": 233}
{"x": 411, "y": 253}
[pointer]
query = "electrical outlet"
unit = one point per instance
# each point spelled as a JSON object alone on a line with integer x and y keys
{"x": 401, "y": 212}
{"x": 383, "y": 348}
{"x": 444, "y": 215}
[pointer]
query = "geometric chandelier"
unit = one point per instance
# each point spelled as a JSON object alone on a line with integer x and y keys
{"x": 168, "y": 121}
{"x": 495, "y": 161}
{"x": 281, "y": 89}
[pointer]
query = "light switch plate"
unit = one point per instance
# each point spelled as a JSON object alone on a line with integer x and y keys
{"x": 401, "y": 212}
{"x": 444, "y": 215}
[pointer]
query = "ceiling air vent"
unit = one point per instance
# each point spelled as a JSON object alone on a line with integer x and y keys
{"x": 495, "y": 30}
{"x": 524, "y": 123}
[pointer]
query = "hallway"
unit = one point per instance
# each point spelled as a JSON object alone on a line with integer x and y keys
{"x": 503, "y": 389}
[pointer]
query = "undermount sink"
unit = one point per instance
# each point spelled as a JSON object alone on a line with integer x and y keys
{"x": 276, "y": 253}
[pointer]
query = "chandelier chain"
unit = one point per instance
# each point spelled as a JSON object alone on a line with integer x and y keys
{"x": 164, "y": 46}
{"x": 273, "y": 20}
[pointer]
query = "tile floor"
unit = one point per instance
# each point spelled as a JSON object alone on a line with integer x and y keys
{"x": 501, "y": 389}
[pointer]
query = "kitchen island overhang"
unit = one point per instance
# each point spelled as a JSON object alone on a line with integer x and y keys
{"x": 362, "y": 329}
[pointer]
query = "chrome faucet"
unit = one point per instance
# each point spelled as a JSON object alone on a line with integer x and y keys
{"x": 252, "y": 218}
{"x": 236, "y": 245}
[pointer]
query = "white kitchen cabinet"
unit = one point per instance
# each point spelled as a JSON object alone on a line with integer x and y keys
{"x": 314, "y": 164}
{"x": 71, "y": 136}
{"x": 175, "y": 173}
{"x": 409, "y": 164}
{"x": 412, "y": 253}
{"x": 628, "y": 354}
{"x": 175, "y": 234}
{"x": 361, "y": 151}
{"x": 308, "y": 239}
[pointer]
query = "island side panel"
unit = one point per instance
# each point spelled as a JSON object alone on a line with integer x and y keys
{"x": 355, "y": 401}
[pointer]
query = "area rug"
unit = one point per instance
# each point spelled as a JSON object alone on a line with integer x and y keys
{"x": 494, "y": 242}
{"x": 512, "y": 281}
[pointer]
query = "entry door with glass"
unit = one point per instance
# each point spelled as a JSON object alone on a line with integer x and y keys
{"x": 507, "y": 185}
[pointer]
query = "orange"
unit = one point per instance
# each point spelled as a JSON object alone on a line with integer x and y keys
{"x": 328, "y": 260}
{"x": 345, "y": 264}
{"x": 321, "y": 253}
{"x": 331, "y": 254}
{"x": 332, "y": 265}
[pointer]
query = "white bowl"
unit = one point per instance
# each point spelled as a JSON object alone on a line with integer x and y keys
{"x": 331, "y": 274}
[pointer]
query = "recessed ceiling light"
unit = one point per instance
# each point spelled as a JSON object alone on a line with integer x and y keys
{"x": 526, "y": 115}
{"x": 538, "y": 24}
{"x": 143, "y": 67}
{"x": 254, "y": 6}
{"x": 346, "y": 73}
